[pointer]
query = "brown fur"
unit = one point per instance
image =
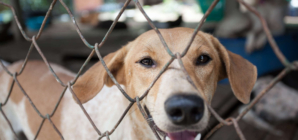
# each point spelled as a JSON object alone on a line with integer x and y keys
{"x": 227, "y": 65}
{"x": 44, "y": 90}
{"x": 236, "y": 67}
{"x": 93, "y": 80}
{"x": 44, "y": 96}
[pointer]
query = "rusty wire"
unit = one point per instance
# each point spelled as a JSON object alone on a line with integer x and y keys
{"x": 238, "y": 130}
{"x": 147, "y": 118}
{"x": 95, "y": 49}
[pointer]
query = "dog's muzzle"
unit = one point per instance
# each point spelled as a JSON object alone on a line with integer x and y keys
{"x": 184, "y": 110}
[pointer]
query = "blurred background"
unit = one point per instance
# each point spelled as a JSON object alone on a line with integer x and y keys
{"x": 237, "y": 29}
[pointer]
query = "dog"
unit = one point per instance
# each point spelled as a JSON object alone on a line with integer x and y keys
{"x": 175, "y": 106}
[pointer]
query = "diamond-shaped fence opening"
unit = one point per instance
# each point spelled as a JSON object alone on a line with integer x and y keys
{"x": 94, "y": 49}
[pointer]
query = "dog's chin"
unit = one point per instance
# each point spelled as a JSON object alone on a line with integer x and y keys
{"x": 180, "y": 134}
{"x": 184, "y": 135}
{"x": 176, "y": 133}
{"x": 173, "y": 132}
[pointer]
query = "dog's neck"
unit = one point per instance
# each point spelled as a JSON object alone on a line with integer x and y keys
{"x": 107, "y": 108}
{"x": 140, "y": 128}
{"x": 133, "y": 123}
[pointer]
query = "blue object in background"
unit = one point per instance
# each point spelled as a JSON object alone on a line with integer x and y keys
{"x": 34, "y": 23}
{"x": 265, "y": 60}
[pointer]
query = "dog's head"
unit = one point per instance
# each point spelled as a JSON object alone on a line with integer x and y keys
{"x": 176, "y": 107}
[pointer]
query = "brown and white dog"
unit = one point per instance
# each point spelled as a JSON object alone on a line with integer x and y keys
{"x": 176, "y": 107}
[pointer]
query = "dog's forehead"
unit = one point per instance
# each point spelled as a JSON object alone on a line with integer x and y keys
{"x": 176, "y": 39}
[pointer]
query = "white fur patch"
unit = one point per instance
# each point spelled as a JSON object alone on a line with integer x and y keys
{"x": 5, "y": 131}
{"x": 105, "y": 109}
{"x": 23, "y": 118}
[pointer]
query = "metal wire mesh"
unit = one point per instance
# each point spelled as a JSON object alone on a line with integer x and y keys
{"x": 229, "y": 121}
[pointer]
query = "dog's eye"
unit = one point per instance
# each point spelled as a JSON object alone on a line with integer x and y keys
{"x": 203, "y": 59}
{"x": 147, "y": 62}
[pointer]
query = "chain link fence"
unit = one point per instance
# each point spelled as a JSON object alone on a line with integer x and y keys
{"x": 95, "y": 49}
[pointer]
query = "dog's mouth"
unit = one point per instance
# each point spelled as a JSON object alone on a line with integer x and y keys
{"x": 182, "y": 135}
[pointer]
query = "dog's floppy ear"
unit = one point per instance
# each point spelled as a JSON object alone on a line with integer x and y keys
{"x": 92, "y": 81}
{"x": 241, "y": 73}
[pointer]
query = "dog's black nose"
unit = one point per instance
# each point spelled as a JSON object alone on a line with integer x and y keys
{"x": 184, "y": 109}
